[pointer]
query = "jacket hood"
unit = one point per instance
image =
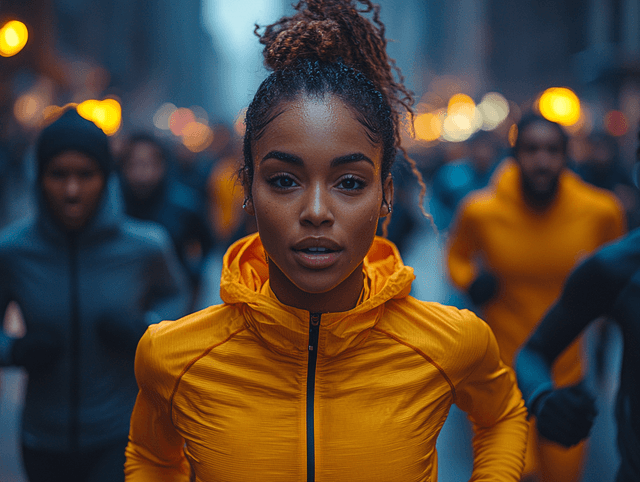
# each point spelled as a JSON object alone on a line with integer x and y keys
{"x": 245, "y": 281}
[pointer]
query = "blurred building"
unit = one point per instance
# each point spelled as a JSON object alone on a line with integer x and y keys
{"x": 143, "y": 52}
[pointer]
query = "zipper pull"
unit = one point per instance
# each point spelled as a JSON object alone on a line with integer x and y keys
{"x": 314, "y": 328}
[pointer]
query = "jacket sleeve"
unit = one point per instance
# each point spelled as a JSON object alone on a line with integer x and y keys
{"x": 167, "y": 293}
{"x": 589, "y": 292}
{"x": 491, "y": 398}
{"x": 155, "y": 450}
{"x": 461, "y": 249}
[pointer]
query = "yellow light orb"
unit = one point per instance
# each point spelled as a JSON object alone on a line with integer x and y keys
{"x": 106, "y": 114}
{"x": 428, "y": 127}
{"x": 561, "y": 105}
{"x": 13, "y": 38}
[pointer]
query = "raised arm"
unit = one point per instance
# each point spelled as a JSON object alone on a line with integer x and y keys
{"x": 566, "y": 415}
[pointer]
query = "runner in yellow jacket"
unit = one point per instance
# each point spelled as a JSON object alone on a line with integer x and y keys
{"x": 319, "y": 366}
{"x": 514, "y": 243}
{"x": 226, "y": 390}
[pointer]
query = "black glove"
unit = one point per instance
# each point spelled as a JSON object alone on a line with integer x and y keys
{"x": 565, "y": 415}
{"x": 120, "y": 333}
{"x": 483, "y": 288}
{"x": 38, "y": 350}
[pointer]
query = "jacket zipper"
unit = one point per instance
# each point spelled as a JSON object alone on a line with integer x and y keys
{"x": 74, "y": 386}
{"x": 314, "y": 331}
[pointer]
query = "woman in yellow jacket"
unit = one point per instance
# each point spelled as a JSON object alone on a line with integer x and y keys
{"x": 319, "y": 365}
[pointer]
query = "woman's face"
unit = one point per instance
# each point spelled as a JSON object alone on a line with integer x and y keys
{"x": 72, "y": 184}
{"x": 317, "y": 196}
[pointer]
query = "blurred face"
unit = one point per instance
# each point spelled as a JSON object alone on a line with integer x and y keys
{"x": 72, "y": 184}
{"x": 541, "y": 159}
{"x": 317, "y": 196}
{"x": 144, "y": 170}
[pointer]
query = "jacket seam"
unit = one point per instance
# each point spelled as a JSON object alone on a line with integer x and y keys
{"x": 425, "y": 356}
{"x": 188, "y": 366}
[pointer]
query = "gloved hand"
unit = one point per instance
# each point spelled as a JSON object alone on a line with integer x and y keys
{"x": 38, "y": 350}
{"x": 120, "y": 333}
{"x": 483, "y": 288}
{"x": 565, "y": 415}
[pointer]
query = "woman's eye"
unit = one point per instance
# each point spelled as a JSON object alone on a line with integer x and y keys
{"x": 282, "y": 182}
{"x": 351, "y": 183}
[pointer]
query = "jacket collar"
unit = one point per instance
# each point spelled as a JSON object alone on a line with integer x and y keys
{"x": 286, "y": 329}
{"x": 506, "y": 182}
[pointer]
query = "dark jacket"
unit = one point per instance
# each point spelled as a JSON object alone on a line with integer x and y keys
{"x": 605, "y": 284}
{"x": 178, "y": 208}
{"x": 114, "y": 271}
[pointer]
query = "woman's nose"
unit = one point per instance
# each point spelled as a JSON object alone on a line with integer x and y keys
{"x": 317, "y": 208}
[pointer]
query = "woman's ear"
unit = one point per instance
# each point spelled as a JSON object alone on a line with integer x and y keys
{"x": 247, "y": 205}
{"x": 387, "y": 197}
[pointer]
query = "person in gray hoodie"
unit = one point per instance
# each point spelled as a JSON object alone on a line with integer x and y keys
{"x": 88, "y": 280}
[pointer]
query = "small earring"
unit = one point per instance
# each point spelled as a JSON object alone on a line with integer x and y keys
{"x": 390, "y": 207}
{"x": 244, "y": 204}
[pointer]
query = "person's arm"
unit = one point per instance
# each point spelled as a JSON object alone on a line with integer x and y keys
{"x": 462, "y": 251}
{"x": 167, "y": 293}
{"x": 493, "y": 402}
{"x": 156, "y": 450}
{"x": 166, "y": 297}
{"x": 566, "y": 415}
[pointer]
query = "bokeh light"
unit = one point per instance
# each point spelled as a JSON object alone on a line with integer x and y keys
{"x": 513, "y": 135}
{"x": 179, "y": 119}
{"x": 463, "y": 119}
{"x": 162, "y": 116}
{"x": 106, "y": 114}
{"x": 28, "y": 108}
{"x": 561, "y": 105}
{"x": 238, "y": 123}
{"x": 428, "y": 126}
{"x": 494, "y": 109}
{"x": 616, "y": 124}
{"x": 197, "y": 136}
{"x": 13, "y": 38}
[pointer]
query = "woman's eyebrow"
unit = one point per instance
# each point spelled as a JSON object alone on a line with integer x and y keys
{"x": 284, "y": 157}
{"x": 338, "y": 161}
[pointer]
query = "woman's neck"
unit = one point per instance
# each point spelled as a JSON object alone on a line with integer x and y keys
{"x": 342, "y": 297}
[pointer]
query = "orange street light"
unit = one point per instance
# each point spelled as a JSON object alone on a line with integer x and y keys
{"x": 561, "y": 105}
{"x": 13, "y": 38}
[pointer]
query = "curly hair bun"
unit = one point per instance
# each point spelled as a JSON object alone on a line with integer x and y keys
{"x": 330, "y": 30}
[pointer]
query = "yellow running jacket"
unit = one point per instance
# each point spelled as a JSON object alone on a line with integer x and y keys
{"x": 531, "y": 253}
{"x": 256, "y": 390}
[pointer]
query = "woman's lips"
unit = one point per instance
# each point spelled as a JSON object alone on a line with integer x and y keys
{"x": 316, "y": 258}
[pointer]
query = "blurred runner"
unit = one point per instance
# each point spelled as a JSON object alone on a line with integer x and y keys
{"x": 88, "y": 281}
{"x": 606, "y": 284}
{"x": 512, "y": 246}
{"x": 151, "y": 193}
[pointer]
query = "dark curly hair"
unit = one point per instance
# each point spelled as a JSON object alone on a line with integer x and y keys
{"x": 329, "y": 47}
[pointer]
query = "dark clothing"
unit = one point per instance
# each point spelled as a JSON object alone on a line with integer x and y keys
{"x": 115, "y": 272}
{"x": 607, "y": 283}
{"x": 179, "y": 209}
{"x": 451, "y": 183}
{"x": 105, "y": 464}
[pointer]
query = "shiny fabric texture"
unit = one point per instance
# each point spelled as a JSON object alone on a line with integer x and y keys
{"x": 223, "y": 391}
